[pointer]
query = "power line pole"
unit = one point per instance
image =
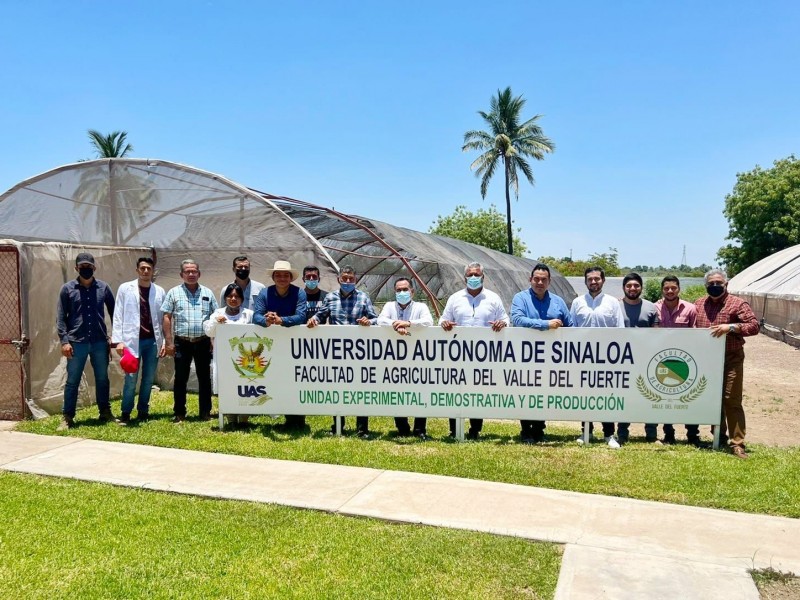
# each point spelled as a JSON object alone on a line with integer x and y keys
{"x": 683, "y": 258}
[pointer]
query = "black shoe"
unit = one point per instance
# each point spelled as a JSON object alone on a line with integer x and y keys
{"x": 205, "y": 416}
{"x": 363, "y": 434}
{"x": 421, "y": 436}
{"x": 106, "y": 416}
{"x": 178, "y": 418}
{"x": 669, "y": 438}
{"x": 528, "y": 439}
{"x": 472, "y": 434}
{"x": 124, "y": 419}
{"x": 66, "y": 423}
{"x": 403, "y": 433}
{"x": 694, "y": 440}
{"x": 143, "y": 416}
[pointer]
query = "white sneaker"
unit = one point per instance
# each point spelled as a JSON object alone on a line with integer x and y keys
{"x": 612, "y": 443}
{"x": 580, "y": 441}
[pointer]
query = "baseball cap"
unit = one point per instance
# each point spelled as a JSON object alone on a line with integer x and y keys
{"x": 84, "y": 257}
{"x": 128, "y": 362}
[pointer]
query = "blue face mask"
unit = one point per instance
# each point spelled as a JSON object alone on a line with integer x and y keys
{"x": 312, "y": 284}
{"x": 474, "y": 282}
{"x": 347, "y": 287}
{"x": 403, "y": 297}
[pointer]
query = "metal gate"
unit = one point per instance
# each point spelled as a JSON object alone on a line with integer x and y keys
{"x": 12, "y": 343}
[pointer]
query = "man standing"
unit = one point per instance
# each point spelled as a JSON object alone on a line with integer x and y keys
{"x": 314, "y": 295}
{"x": 347, "y": 306}
{"x": 596, "y": 309}
{"x": 137, "y": 327}
{"x": 726, "y": 315}
{"x": 473, "y": 307}
{"x": 185, "y": 308}
{"x": 250, "y": 287}
{"x": 81, "y": 326}
{"x": 674, "y": 312}
{"x": 401, "y": 315}
{"x": 638, "y": 313}
{"x": 538, "y": 309}
{"x": 282, "y": 304}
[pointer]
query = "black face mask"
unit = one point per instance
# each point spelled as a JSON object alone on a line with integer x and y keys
{"x": 242, "y": 274}
{"x": 715, "y": 291}
{"x": 86, "y": 272}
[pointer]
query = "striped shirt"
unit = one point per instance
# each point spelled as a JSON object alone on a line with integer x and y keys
{"x": 728, "y": 309}
{"x": 189, "y": 310}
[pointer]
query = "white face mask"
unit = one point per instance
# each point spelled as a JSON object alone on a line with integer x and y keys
{"x": 403, "y": 297}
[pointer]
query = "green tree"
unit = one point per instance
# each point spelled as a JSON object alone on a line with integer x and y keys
{"x": 507, "y": 142}
{"x": 485, "y": 227}
{"x": 112, "y": 145}
{"x": 763, "y": 213}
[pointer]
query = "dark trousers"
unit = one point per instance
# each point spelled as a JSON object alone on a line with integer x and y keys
{"x": 185, "y": 352}
{"x": 362, "y": 424}
{"x": 403, "y": 428}
{"x": 475, "y": 426}
{"x": 651, "y": 430}
{"x": 608, "y": 428}
{"x": 534, "y": 428}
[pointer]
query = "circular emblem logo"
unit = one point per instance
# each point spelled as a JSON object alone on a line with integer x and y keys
{"x": 672, "y": 371}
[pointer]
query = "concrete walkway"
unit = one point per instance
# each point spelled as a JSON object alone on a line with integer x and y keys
{"x": 614, "y": 547}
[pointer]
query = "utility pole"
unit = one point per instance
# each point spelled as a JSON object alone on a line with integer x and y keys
{"x": 683, "y": 258}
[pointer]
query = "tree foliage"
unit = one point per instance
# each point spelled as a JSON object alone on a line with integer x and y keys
{"x": 609, "y": 261}
{"x": 763, "y": 213}
{"x": 112, "y": 145}
{"x": 507, "y": 142}
{"x": 485, "y": 227}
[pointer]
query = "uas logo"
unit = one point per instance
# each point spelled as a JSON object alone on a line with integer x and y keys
{"x": 252, "y": 365}
{"x": 673, "y": 373}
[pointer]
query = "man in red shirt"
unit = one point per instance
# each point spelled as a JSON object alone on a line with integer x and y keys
{"x": 732, "y": 317}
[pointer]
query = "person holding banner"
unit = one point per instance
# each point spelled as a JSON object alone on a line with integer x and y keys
{"x": 282, "y": 304}
{"x": 347, "y": 306}
{"x": 638, "y": 313}
{"x": 674, "y": 312}
{"x": 537, "y": 308}
{"x": 473, "y": 307}
{"x": 231, "y": 312}
{"x": 596, "y": 309}
{"x": 401, "y": 315}
{"x": 732, "y": 317}
{"x": 314, "y": 295}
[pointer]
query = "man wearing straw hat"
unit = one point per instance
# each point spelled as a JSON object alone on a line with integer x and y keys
{"x": 282, "y": 304}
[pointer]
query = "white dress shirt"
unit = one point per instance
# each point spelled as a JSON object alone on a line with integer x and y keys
{"x": 601, "y": 311}
{"x": 416, "y": 313}
{"x": 466, "y": 310}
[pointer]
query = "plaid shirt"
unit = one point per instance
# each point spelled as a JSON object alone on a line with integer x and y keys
{"x": 346, "y": 311}
{"x": 728, "y": 309}
{"x": 189, "y": 310}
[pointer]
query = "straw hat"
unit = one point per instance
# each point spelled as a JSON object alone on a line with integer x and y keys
{"x": 283, "y": 265}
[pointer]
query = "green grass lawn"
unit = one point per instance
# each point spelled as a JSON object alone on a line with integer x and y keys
{"x": 71, "y": 539}
{"x": 769, "y": 482}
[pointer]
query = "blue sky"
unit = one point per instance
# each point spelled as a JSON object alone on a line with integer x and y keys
{"x": 654, "y": 107}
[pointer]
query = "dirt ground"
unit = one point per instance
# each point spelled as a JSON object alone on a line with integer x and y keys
{"x": 772, "y": 392}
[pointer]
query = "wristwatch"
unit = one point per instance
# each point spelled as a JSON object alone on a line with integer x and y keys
{"x": 732, "y": 328}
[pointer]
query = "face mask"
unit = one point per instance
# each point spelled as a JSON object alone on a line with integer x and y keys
{"x": 474, "y": 282}
{"x": 715, "y": 291}
{"x": 403, "y": 297}
{"x": 86, "y": 272}
{"x": 348, "y": 287}
{"x": 242, "y": 274}
{"x": 312, "y": 284}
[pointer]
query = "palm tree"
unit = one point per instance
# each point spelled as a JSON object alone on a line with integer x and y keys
{"x": 112, "y": 145}
{"x": 509, "y": 141}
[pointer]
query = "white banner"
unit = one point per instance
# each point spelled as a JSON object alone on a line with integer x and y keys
{"x": 569, "y": 374}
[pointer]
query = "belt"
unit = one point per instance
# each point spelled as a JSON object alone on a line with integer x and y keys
{"x": 191, "y": 340}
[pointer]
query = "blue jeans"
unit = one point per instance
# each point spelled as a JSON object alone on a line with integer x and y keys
{"x": 98, "y": 353}
{"x": 148, "y": 363}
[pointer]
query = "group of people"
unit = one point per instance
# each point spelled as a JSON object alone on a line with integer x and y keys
{"x": 149, "y": 323}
